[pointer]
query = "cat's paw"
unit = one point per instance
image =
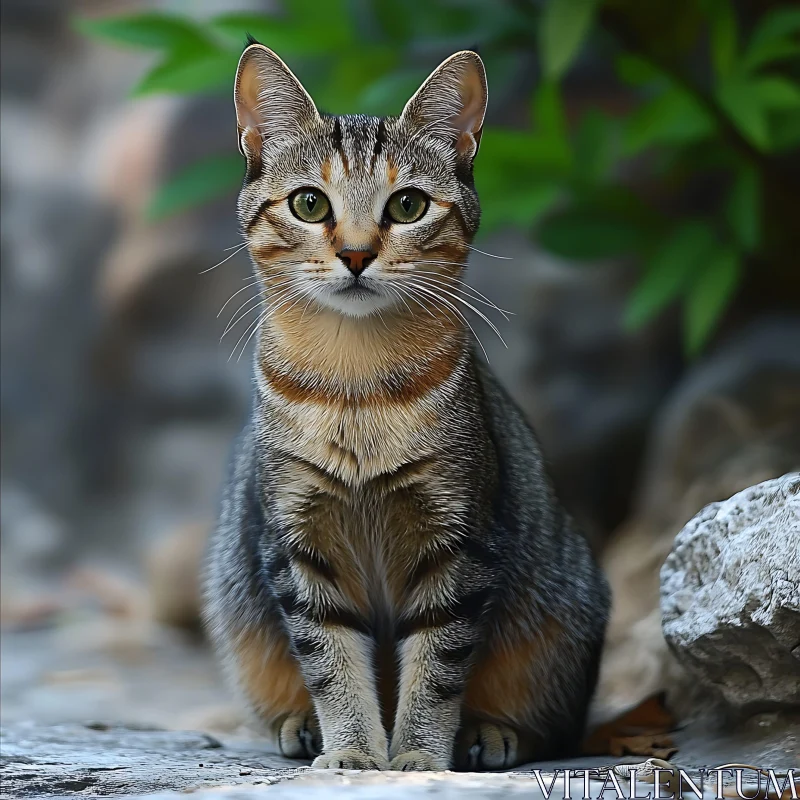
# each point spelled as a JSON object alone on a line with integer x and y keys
{"x": 417, "y": 761}
{"x": 299, "y": 736}
{"x": 486, "y": 745}
{"x": 349, "y": 759}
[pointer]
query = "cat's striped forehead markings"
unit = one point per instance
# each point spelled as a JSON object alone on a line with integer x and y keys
{"x": 325, "y": 170}
{"x": 338, "y": 143}
{"x": 380, "y": 140}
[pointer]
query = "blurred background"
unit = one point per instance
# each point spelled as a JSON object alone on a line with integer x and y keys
{"x": 639, "y": 174}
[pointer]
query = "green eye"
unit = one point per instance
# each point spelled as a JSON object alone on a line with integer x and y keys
{"x": 310, "y": 205}
{"x": 407, "y": 205}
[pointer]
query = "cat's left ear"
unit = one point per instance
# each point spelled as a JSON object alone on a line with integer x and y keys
{"x": 452, "y": 102}
{"x": 270, "y": 102}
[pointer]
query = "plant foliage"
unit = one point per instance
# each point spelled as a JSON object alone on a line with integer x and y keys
{"x": 709, "y": 105}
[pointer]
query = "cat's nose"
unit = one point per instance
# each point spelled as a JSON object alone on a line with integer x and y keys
{"x": 356, "y": 260}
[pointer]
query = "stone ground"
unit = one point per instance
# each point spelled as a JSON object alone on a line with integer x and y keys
{"x": 102, "y": 707}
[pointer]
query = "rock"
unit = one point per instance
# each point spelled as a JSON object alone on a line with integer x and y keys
{"x": 730, "y": 596}
{"x": 733, "y": 421}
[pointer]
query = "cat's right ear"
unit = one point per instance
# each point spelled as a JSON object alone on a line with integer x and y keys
{"x": 270, "y": 103}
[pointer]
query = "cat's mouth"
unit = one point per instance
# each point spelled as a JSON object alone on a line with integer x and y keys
{"x": 356, "y": 289}
{"x": 357, "y": 297}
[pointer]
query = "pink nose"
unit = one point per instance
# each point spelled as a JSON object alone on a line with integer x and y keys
{"x": 356, "y": 260}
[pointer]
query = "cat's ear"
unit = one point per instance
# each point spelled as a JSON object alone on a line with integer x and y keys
{"x": 452, "y": 102}
{"x": 270, "y": 101}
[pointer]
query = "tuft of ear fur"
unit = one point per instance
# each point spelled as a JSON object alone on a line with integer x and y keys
{"x": 452, "y": 102}
{"x": 270, "y": 102}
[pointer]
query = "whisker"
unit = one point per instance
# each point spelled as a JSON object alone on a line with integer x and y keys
{"x": 458, "y": 313}
{"x": 448, "y": 263}
{"x": 393, "y": 291}
{"x": 257, "y": 327}
{"x": 227, "y": 258}
{"x": 491, "y": 255}
{"x": 236, "y": 317}
{"x": 257, "y": 323}
{"x": 481, "y": 298}
{"x": 252, "y": 328}
{"x": 252, "y": 282}
{"x": 477, "y": 311}
{"x": 305, "y": 307}
{"x": 410, "y": 293}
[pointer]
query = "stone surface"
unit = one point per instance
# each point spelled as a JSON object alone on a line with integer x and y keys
{"x": 99, "y": 760}
{"x": 102, "y": 760}
{"x": 730, "y": 596}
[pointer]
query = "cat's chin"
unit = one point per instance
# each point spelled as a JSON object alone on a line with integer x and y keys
{"x": 356, "y": 305}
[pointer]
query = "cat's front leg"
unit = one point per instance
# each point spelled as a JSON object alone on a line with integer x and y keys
{"x": 435, "y": 653}
{"x": 334, "y": 648}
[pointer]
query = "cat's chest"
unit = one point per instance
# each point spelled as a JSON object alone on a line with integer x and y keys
{"x": 356, "y": 443}
{"x": 368, "y": 540}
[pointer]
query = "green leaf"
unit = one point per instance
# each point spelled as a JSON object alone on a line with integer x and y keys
{"x": 777, "y": 24}
{"x": 150, "y": 30}
{"x": 741, "y": 100}
{"x": 237, "y": 26}
{"x": 520, "y": 156}
{"x": 668, "y": 272}
{"x": 389, "y": 93}
{"x": 748, "y": 101}
{"x": 785, "y": 132}
{"x": 395, "y": 22}
{"x": 594, "y": 146}
{"x": 179, "y": 75}
{"x": 198, "y": 184}
{"x": 563, "y": 29}
{"x": 635, "y": 71}
{"x": 708, "y": 296}
{"x": 769, "y": 52}
{"x": 590, "y": 234}
{"x": 743, "y": 209}
{"x": 775, "y": 92}
{"x": 724, "y": 37}
{"x": 772, "y": 39}
{"x": 337, "y": 87}
{"x": 308, "y": 28}
{"x": 674, "y": 117}
{"x": 548, "y": 111}
{"x": 508, "y": 205}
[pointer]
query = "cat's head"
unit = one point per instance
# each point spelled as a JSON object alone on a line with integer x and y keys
{"x": 359, "y": 214}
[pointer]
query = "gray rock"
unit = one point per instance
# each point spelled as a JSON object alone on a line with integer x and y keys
{"x": 730, "y": 596}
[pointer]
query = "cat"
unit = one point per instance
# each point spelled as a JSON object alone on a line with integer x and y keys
{"x": 392, "y": 583}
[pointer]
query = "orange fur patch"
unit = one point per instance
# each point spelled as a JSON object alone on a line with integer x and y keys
{"x": 351, "y": 363}
{"x": 411, "y": 390}
{"x": 502, "y": 685}
{"x": 269, "y": 674}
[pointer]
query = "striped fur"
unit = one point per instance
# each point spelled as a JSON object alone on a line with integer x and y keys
{"x": 392, "y": 579}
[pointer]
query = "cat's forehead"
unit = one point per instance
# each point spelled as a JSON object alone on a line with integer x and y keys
{"x": 361, "y": 153}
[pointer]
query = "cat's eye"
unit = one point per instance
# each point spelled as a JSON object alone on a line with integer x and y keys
{"x": 407, "y": 205}
{"x": 310, "y": 205}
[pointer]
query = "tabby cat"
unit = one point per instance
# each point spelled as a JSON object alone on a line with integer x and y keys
{"x": 392, "y": 584}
